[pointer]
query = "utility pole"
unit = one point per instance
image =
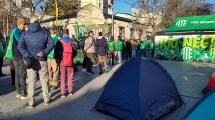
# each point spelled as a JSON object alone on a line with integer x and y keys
{"x": 112, "y": 1}
{"x": 7, "y": 25}
{"x": 56, "y": 10}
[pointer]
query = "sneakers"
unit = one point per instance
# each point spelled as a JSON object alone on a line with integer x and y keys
{"x": 100, "y": 73}
{"x": 53, "y": 88}
{"x": 84, "y": 70}
{"x": 70, "y": 94}
{"x": 90, "y": 73}
{"x": 18, "y": 95}
{"x": 47, "y": 103}
{"x": 23, "y": 96}
{"x": 29, "y": 106}
{"x": 63, "y": 96}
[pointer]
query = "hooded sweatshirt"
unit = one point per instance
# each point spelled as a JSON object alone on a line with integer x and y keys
{"x": 101, "y": 46}
{"x": 59, "y": 47}
{"x": 35, "y": 40}
{"x": 16, "y": 35}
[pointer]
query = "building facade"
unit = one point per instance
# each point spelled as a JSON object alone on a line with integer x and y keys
{"x": 94, "y": 16}
{"x": 104, "y": 5}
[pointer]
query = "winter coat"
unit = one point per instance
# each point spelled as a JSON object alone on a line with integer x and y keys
{"x": 89, "y": 45}
{"x": 35, "y": 40}
{"x": 101, "y": 46}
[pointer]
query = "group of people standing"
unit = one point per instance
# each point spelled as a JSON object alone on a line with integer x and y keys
{"x": 38, "y": 51}
{"x": 107, "y": 51}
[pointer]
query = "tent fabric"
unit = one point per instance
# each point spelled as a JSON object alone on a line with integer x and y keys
{"x": 210, "y": 85}
{"x": 192, "y": 23}
{"x": 139, "y": 89}
{"x": 203, "y": 109}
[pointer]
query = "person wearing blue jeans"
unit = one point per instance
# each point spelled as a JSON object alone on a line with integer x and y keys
{"x": 119, "y": 47}
{"x": 119, "y": 56}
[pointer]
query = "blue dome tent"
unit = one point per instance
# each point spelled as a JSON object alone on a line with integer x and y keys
{"x": 140, "y": 89}
{"x": 203, "y": 109}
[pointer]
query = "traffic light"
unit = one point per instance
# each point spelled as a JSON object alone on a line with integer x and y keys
{"x": 58, "y": 12}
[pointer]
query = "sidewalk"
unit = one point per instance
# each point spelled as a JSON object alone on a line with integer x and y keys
{"x": 189, "y": 77}
{"x": 87, "y": 89}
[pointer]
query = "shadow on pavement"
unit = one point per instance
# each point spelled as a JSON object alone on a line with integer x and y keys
{"x": 189, "y": 77}
{"x": 79, "y": 106}
{"x": 5, "y": 85}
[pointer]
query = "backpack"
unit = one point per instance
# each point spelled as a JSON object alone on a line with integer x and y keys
{"x": 67, "y": 56}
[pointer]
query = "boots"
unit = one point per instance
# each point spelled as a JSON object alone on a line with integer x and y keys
{"x": 100, "y": 67}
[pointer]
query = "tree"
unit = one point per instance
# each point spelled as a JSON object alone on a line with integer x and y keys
{"x": 148, "y": 13}
{"x": 165, "y": 12}
{"x": 65, "y": 7}
{"x": 10, "y": 10}
{"x": 179, "y": 8}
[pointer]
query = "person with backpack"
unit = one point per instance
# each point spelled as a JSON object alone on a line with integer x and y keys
{"x": 89, "y": 48}
{"x": 101, "y": 50}
{"x": 35, "y": 44}
{"x": 119, "y": 48}
{"x": 111, "y": 47}
{"x": 14, "y": 54}
{"x": 53, "y": 67}
{"x": 64, "y": 55}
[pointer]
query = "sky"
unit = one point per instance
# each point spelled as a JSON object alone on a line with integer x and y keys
{"x": 123, "y": 7}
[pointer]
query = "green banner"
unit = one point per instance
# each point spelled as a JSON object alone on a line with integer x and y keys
{"x": 205, "y": 22}
{"x": 186, "y": 48}
{"x": 82, "y": 30}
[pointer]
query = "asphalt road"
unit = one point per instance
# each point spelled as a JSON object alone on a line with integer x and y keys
{"x": 189, "y": 77}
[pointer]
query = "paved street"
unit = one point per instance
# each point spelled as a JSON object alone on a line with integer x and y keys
{"x": 189, "y": 77}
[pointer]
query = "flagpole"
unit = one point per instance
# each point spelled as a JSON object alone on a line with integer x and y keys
{"x": 56, "y": 11}
{"x": 112, "y": 19}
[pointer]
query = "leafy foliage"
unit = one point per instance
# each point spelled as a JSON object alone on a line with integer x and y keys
{"x": 65, "y": 7}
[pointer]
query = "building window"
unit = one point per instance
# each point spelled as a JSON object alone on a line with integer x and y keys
{"x": 122, "y": 32}
{"x": 100, "y": 4}
{"x": 132, "y": 33}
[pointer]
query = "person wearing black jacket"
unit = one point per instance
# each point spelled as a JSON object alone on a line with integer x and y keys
{"x": 36, "y": 43}
{"x": 128, "y": 48}
{"x": 101, "y": 50}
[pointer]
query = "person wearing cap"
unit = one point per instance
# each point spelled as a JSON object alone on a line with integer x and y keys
{"x": 37, "y": 44}
{"x": 53, "y": 67}
{"x": 13, "y": 53}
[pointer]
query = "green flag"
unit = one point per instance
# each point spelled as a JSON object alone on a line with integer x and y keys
{"x": 9, "y": 52}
